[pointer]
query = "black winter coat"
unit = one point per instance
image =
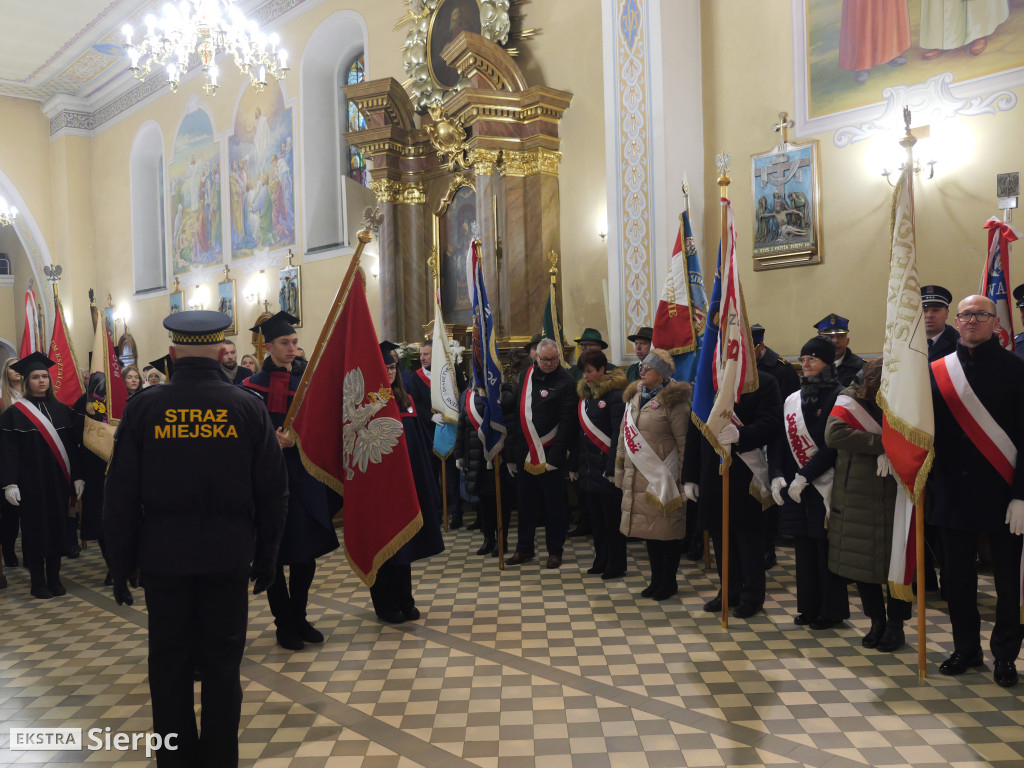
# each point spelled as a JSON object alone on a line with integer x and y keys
{"x": 476, "y": 469}
{"x": 966, "y": 490}
{"x": 554, "y": 407}
{"x": 603, "y": 404}
{"x": 943, "y": 345}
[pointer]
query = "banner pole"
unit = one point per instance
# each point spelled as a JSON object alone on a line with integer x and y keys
{"x": 500, "y": 524}
{"x": 444, "y": 493}
{"x": 339, "y": 300}
{"x": 723, "y": 183}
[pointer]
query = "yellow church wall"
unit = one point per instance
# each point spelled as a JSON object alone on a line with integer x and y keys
{"x": 748, "y": 80}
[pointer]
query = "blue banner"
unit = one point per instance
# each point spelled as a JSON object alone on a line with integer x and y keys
{"x": 486, "y": 370}
{"x": 704, "y": 387}
{"x": 686, "y": 363}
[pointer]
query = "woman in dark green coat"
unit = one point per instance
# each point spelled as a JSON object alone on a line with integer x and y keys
{"x": 863, "y": 501}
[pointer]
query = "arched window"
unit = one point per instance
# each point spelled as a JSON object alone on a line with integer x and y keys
{"x": 333, "y": 191}
{"x": 149, "y": 242}
{"x": 355, "y": 73}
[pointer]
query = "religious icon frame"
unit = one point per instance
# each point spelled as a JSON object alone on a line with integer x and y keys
{"x": 226, "y": 291}
{"x": 176, "y": 301}
{"x": 437, "y": 38}
{"x": 778, "y": 239}
{"x": 287, "y": 274}
{"x": 445, "y": 237}
{"x": 108, "y": 322}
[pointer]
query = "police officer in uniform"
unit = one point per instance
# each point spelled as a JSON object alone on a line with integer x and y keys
{"x": 848, "y": 365}
{"x": 309, "y": 532}
{"x": 942, "y": 337}
{"x": 1018, "y": 340}
{"x": 642, "y": 340}
{"x": 197, "y": 539}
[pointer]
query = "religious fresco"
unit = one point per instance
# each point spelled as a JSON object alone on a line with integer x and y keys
{"x": 450, "y": 18}
{"x": 855, "y": 49}
{"x": 261, "y": 173}
{"x": 196, "y": 232}
{"x": 456, "y": 304}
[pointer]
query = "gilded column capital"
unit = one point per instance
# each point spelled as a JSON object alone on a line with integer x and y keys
{"x": 483, "y": 161}
{"x": 513, "y": 163}
{"x": 389, "y": 191}
{"x": 530, "y": 163}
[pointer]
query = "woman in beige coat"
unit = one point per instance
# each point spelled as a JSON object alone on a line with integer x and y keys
{"x": 648, "y": 464}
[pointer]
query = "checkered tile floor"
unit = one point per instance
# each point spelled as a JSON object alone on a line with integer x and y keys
{"x": 527, "y": 667}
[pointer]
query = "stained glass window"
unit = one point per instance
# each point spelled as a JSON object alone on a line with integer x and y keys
{"x": 357, "y": 169}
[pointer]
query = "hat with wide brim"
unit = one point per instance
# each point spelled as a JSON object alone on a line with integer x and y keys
{"x": 594, "y": 336}
{"x": 643, "y": 332}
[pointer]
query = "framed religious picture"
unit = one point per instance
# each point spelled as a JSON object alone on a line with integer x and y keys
{"x": 226, "y": 304}
{"x": 177, "y": 301}
{"x": 449, "y": 19}
{"x": 127, "y": 351}
{"x": 289, "y": 292}
{"x": 787, "y": 206}
{"x": 108, "y": 320}
{"x": 458, "y": 221}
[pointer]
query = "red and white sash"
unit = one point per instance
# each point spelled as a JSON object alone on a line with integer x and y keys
{"x": 758, "y": 465}
{"x": 424, "y": 375}
{"x": 661, "y": 474}
{"x": 973, "y": 418}
{"x": 803, "y": 448}
{"x": 49, "y": 433}
{"x": 592, "y": 431}
{"x": 536, "y": 462}
{"x": 476, "y": 419}
{"x": 848, "y": 410}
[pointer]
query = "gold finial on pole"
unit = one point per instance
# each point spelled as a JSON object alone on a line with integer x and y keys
{"x": 53, "y": 276}
{"x": 686, "y": 193}
{"x": 434, "y": 264}
{"x": 553, "y": 261}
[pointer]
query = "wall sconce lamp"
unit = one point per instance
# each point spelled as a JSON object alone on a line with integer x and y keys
{"x": 256, "y": 289}
{"x": 200, "y": 297}
{"x": 602, "y": 227}
{"x": 917, "y": 170}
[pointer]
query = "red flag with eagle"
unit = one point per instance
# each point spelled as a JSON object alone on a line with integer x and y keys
{"x": 346, "y": 384}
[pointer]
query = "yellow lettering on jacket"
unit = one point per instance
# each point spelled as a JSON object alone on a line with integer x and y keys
{"x": 193, "y": 423}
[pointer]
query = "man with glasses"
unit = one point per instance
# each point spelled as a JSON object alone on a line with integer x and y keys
{"x": 977, "y": 485}
{"x": 541, "y": 431}
{"x": 848, "y": 365}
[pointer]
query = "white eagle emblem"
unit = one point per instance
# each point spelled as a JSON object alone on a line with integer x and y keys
{"x": 366, "y": 439}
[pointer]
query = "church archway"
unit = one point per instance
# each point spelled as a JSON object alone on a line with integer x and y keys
{"x": 149, "y": 249}
{"x": 36, "y": 249}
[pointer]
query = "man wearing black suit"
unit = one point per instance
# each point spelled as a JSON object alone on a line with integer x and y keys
{"x": 1018, "y": 340}
{"x": 942, "y": 337}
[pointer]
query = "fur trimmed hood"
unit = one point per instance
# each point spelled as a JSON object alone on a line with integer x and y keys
{"x": 673, "y": 394}
{"x": 610, "y": 381}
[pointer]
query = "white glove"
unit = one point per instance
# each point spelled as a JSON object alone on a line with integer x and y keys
{"x": 691, "y": 491}
{"x": 512, "y": 469}
{"x": 437, "y": 418}
{"x": 458, "y": 464}
{"x": 13, "y": 495}
{"x": 574, "y": 476}
{"x": 796, "y": 488}
{"x": 551, "y": 468}
{"x": 79, "y": 488}
{"x": 729, "y": 434}
{"x": 884, "y": 468}
{"x": 778, "y": 483}
{"x": 1015, "y": 517}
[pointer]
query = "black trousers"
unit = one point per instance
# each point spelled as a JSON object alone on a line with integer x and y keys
{"x": 604, "y": 510}
{"x": 487, "y": 512}
{"x": 879, "y": 605}
{"x": 197, "y": 620}
{"x": 392, "y": 591}
{"x": 819, "y": 592}
{"x": 542, "y": 495}
{"x": 288, "y": 599}
{"x": 664, "y": 557}
{"x": 42, "y": 542}
{"x": 960, "y": 582}
{"x": 9, "y": 521}
{"x": 746, "y": 558}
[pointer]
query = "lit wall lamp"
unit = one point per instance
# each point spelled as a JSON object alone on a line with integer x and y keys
{"x": 200, "y": 297}
{"x": 602, "y": 227}
{"x": 256, "y": 289}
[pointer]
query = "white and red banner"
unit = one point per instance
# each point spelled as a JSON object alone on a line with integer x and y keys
{"x": 30, "y": 341}
{"x": 104, "y": 360}
{"x": 735, "y": 369}
{"x": 673, "y": 323}
{"x": 995, "y": 280}
{"x": 905, "y": 394}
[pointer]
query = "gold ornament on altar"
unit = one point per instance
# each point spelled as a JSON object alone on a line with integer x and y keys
{"x": 448, "y": 137}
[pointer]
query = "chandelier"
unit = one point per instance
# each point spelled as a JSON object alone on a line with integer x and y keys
{"x": 8, "y": 214}
{"x": 206, "y": 28}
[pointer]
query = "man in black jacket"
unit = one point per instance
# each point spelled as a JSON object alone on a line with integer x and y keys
{"x": 1018, "y": 340}
{"x": 977, "y": 485}
{"x": 196, "y": 539}
{"x": 942, "y": 337}
{"x": 544, "y": 426}
{"x": 760, "y": 414}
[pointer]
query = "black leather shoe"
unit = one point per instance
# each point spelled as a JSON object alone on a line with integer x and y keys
{"x": 770, "y": 560}
{"x": 411, "y": 614}
{"x": 391, "y": 617}
{"x": 745, "y": 609}
{"x": 10, "y": 559}
{"x": 821, "y": 623}
{"x": 487, "y": 547}
{"x": 57, "y": 588}
{"x": 1005, "y": 674}
{"x": 665, "y": 591}
{"x": 289, "y": 639}
{"x": 649, "y": 590}
{"x": 596, "y": 568}
{"x": 41, "y": 593}
{"x": 308, "y": 633}
{"x": 958, "y": 663}
{"x": 518, "y": 558}
{"x": 454, "y": 522}
{"x": 892, "y": 639}
{"x": 474, "y": 526}
{"x": 608, "y": 575}
{"x": 714, "y": 605}
{"x": 801, "y": 620}
{"x": 874, "y": 634}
